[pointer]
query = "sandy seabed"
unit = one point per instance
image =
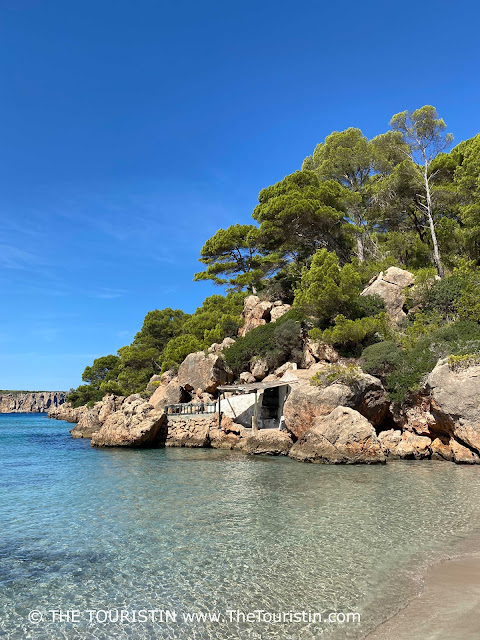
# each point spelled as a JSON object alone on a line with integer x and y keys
{"x": 447, "y": 608}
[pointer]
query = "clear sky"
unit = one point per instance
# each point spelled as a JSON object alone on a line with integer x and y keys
{"x": 131, "y": 131}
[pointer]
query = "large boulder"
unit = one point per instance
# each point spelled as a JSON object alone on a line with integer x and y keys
{"x": 135, "y": 424}
{"x": 89, "y": 422}
{"x": 199, "y": 372}
{"x": 343, "y": 436}
{"x": 256, "y": 312}
{"x": 307, "y": 402}
{"x": 218, "y": 347}
{"x": 406, "y": 445}
{"x": 169, "y": 392}
{"x": 259, "y": 368}
{"x": 390, "y": 287}
{"x": 454, "y": 397}
{"x": 278, "y": 310}
{"x": 267, "y": 442}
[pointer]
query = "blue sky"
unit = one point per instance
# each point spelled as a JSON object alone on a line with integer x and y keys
{"x": 131, "y": 131}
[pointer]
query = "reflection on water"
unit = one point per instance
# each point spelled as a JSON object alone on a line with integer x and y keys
{"x": 200, "y": 530}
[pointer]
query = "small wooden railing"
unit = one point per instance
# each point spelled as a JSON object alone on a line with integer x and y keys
{"x": 191, "y": 408}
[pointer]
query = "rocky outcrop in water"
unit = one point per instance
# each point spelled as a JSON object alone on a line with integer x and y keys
{"x": 30, "y": 401}
{"x": 342, "y": 437}
{"x": 135, "y": 424}
{"x": 306, "y": 402}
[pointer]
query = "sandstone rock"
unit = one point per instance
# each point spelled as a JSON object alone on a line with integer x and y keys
{"x": 228, "y": 436}
{"x": 170, "y": 393}
{"x": 89, "y": 423}
{"x": 135, "y": 424}
{"x": 463, "y": 455}
{"x": 389, "y": 286}
{"x": 67, "y": 413}
{"x": 415, "y": 416}
{"x": 279, "y": 310}
{"x": 308, "y": 359}
{"x": 259, "y": 369}
{"x": 109, "y": 405}
{"x": 441, "y": 449}
{"x": 343, "y": 436}
{"x": 287, "y": 366}
{"x": 406, "y": 445}
{"x": 153, "y": 383}
{"x": 219, "y": 347}
{"x": 246, "y": 377}
{"x": 321, "y": 351}
{"x": 200, "y": 372}
{"x": 306, "y": 402}
{"x": 256, "y": 312}
{"x": 268, "y": 442}
{"x": 455, "y": 402}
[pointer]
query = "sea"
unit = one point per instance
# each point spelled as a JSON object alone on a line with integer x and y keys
{"x": 205, "y": 544}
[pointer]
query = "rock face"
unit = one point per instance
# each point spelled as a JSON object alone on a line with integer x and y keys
{"x": 31, "y": 401}
{"x": 88, "y": 423}
{"x": 66, "y": 412}
{"x": 306, "y": 402}
{"x": 200, "y": 373}
{"x": 257, "y": 312}
{"x": 389, "y": 286}
{"x": 343, "y": 436}
{"x": 455, "y": 403}
{"x": 406, "y": 445}
{"x": 135, "y": 424}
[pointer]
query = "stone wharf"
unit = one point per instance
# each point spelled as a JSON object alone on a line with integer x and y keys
{"x": 265, "y": 412}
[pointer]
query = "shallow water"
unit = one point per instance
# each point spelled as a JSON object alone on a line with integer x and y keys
{"x": 206, "y": 531}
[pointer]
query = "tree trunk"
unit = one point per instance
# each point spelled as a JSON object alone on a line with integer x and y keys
{"x": 360, "y": 247}
{"x": 436, "y": 251}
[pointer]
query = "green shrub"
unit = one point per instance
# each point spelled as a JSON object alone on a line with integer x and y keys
{"x": 457, "y": 363}
{"x": 381, "y": 358}
{"x": 458, "y": 338}
{"x": 349, "y": 333}
{"x": 277, "y": 342}
{"x": 348, "y": 374}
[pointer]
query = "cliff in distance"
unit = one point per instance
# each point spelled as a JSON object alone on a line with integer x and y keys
{"x": 30, "y": 401}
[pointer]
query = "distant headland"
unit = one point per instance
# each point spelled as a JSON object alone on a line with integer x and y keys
{"x": 30, "y": 401}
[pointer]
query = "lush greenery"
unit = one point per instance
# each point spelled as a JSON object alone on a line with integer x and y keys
{"x": 275, "y": 343}
{"x": 354, "y": 207}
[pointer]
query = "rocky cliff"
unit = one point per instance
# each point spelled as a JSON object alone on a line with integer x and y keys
{"x": 30, "y": 401}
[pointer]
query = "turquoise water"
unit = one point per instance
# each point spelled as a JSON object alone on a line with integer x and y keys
{"x": 198, "y": 531}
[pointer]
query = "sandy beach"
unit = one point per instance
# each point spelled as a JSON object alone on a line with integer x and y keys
{"x": 448, "y": 608}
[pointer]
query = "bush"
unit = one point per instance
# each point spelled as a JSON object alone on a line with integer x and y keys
{"x": 381, "y": 358}
{"x": 457, "y": 363}
{"x": 352, "y": 333}
{"x": 459, "y": 338}
{"x": 277, "y": 342}
{"x": 344, "y": 374}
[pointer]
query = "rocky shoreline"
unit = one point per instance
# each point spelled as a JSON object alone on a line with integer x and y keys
{"x": 334, "y": 424}
{"x": 330, "y": 410}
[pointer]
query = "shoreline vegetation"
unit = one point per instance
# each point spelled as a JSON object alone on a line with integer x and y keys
{"x": 357, "y": 287}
